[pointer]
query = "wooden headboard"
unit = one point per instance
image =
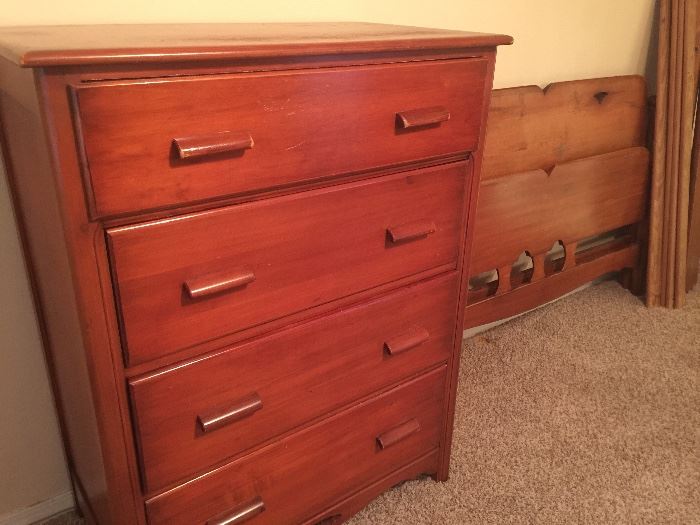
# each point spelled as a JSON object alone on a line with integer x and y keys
{"x": 563, "y": 193}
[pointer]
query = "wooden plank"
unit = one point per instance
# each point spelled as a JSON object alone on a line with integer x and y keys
{"x": 531, "y": 295}
{"x": 286, "y": 475}
{"x": 27, "y": 156}
{"x": 530, "y": 211}
{"x": 552, "y": 266}
{"x": 342, "y": 511}
{"x": 68, "y": 258}
{"x": 531, "y": 128}
{"x": 138, "y": 43}
{"x": 693, "y": 257}
{"x": 693, "y": 265}
{"x": 127, "y": 129}
{"x": 302, "y": 259}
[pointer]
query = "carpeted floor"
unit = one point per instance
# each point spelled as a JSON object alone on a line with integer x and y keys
{"x": 585, "y": 411}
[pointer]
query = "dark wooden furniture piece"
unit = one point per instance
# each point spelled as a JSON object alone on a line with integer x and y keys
{"x": 564, "y": 182}
{"x": 247, "y": 245}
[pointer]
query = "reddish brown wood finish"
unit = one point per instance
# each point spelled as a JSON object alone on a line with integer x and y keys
{"x": 299, "y": 375}
{"x": 305, "y": 250}
{"x": 556, "y": 199}
{"x": 27, "y": 161}
{"x": 240, "y": 514}
{"x": 172, "y": 43}
{"x": 417, "y": 118}
{"x": 408, "y": 340}
{"x": 73, "y": 306}
{"x": 337, "y": 455}
{"x": 411, "y": 231}
{"x": 224, "y": 281}
{"x": 340, "y": 512}
{"x": 532, "y": 128}
{"x": 530, "y": 211}
{"x": 531, "y": 294}
{"x": 398, "y": 434}
{"x": 463, "y": 265}
{"x": 212, "y": 144}
{"x": 66, "y": 245}
{"x": 306, "y": 125}
{"x": 215, "y": 419}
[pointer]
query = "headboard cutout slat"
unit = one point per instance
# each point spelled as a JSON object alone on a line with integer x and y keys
{"x": 529, "y": 211}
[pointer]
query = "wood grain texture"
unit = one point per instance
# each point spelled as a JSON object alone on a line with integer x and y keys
{"x": 335, "y": 456}
{"x": 89, "y": 409}
{"x": 27, "y": 160}
{"x": 305, "y": 249}
{"x": 668, "y": 256}
{"x": 530, "y": 128}
{"x": 299, "y": 375}
{"x": 37, "y": 46}
{"x": 693, "y": 266}
{"x": 416, "y": 118}
{"x": 329, "y": 237}
{"x": 466, "y": 244}
{"x": 561, "y": 165}
{"x": 693, "y": 258}
{"x": 307, "y": 125}
{"x": 233, "y": 411}
{"x": 529, "y": 295}
{"x": 212, "y": 144}
{"x": 397, "y": 434}
{"x": 531, "y": 211}
{"x": 213, "y": 284}
{"x": 86, "y": 246}
{"x": 240, "y": 514}
{"x": 342, "y": 511}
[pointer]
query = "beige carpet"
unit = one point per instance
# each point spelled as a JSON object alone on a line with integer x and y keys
{"x": 585, "y": 411}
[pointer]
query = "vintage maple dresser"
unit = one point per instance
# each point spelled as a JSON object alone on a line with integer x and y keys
{"x": 247, "y": 244}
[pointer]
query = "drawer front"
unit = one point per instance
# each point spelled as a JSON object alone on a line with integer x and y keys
{"x": 251, "y": 393}
{"x": 330, "y": 460}
{"x": 196, "y": 278}
{"x": 157, "y": 143}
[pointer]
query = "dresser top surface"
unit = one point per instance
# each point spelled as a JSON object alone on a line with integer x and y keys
{"x": 43, "y": 46}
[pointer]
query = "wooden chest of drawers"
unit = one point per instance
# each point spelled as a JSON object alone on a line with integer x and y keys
{"x": 248, "y": 250}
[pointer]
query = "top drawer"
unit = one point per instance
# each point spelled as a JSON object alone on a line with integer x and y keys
{"x": 157, "y": 143}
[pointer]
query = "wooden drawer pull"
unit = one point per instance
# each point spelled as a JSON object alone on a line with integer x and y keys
{"x": 410, "y": 232}
{"x": 407, "y": 341}
{"x": 397, "y": 434}
{"x": 422, "y": 117}
{"x": 240, "y": 514}
{"x": 241, "y": 409}
{"x": 212, "y": 144}
{"x": 215, "y": 283}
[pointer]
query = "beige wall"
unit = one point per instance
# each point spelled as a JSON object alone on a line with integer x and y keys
{"x": 554, "y": 40}
{"x": 31, "y": 458}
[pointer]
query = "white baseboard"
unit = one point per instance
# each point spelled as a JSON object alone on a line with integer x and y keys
{"x": 40, "y": 511}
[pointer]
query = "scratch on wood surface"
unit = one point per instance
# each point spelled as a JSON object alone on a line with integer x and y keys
{"x": 295, "y": 146}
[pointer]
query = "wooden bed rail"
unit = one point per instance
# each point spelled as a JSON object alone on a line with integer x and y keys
{"x": 534, "y": 225}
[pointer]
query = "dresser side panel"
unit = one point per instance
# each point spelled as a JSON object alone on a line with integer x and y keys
{"x": 29, "y": 172}
{"x": 472, "y": 194}
{"x": 84, "y": 379}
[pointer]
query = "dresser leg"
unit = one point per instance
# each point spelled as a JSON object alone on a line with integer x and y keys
{"x": 441, "y": 475}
